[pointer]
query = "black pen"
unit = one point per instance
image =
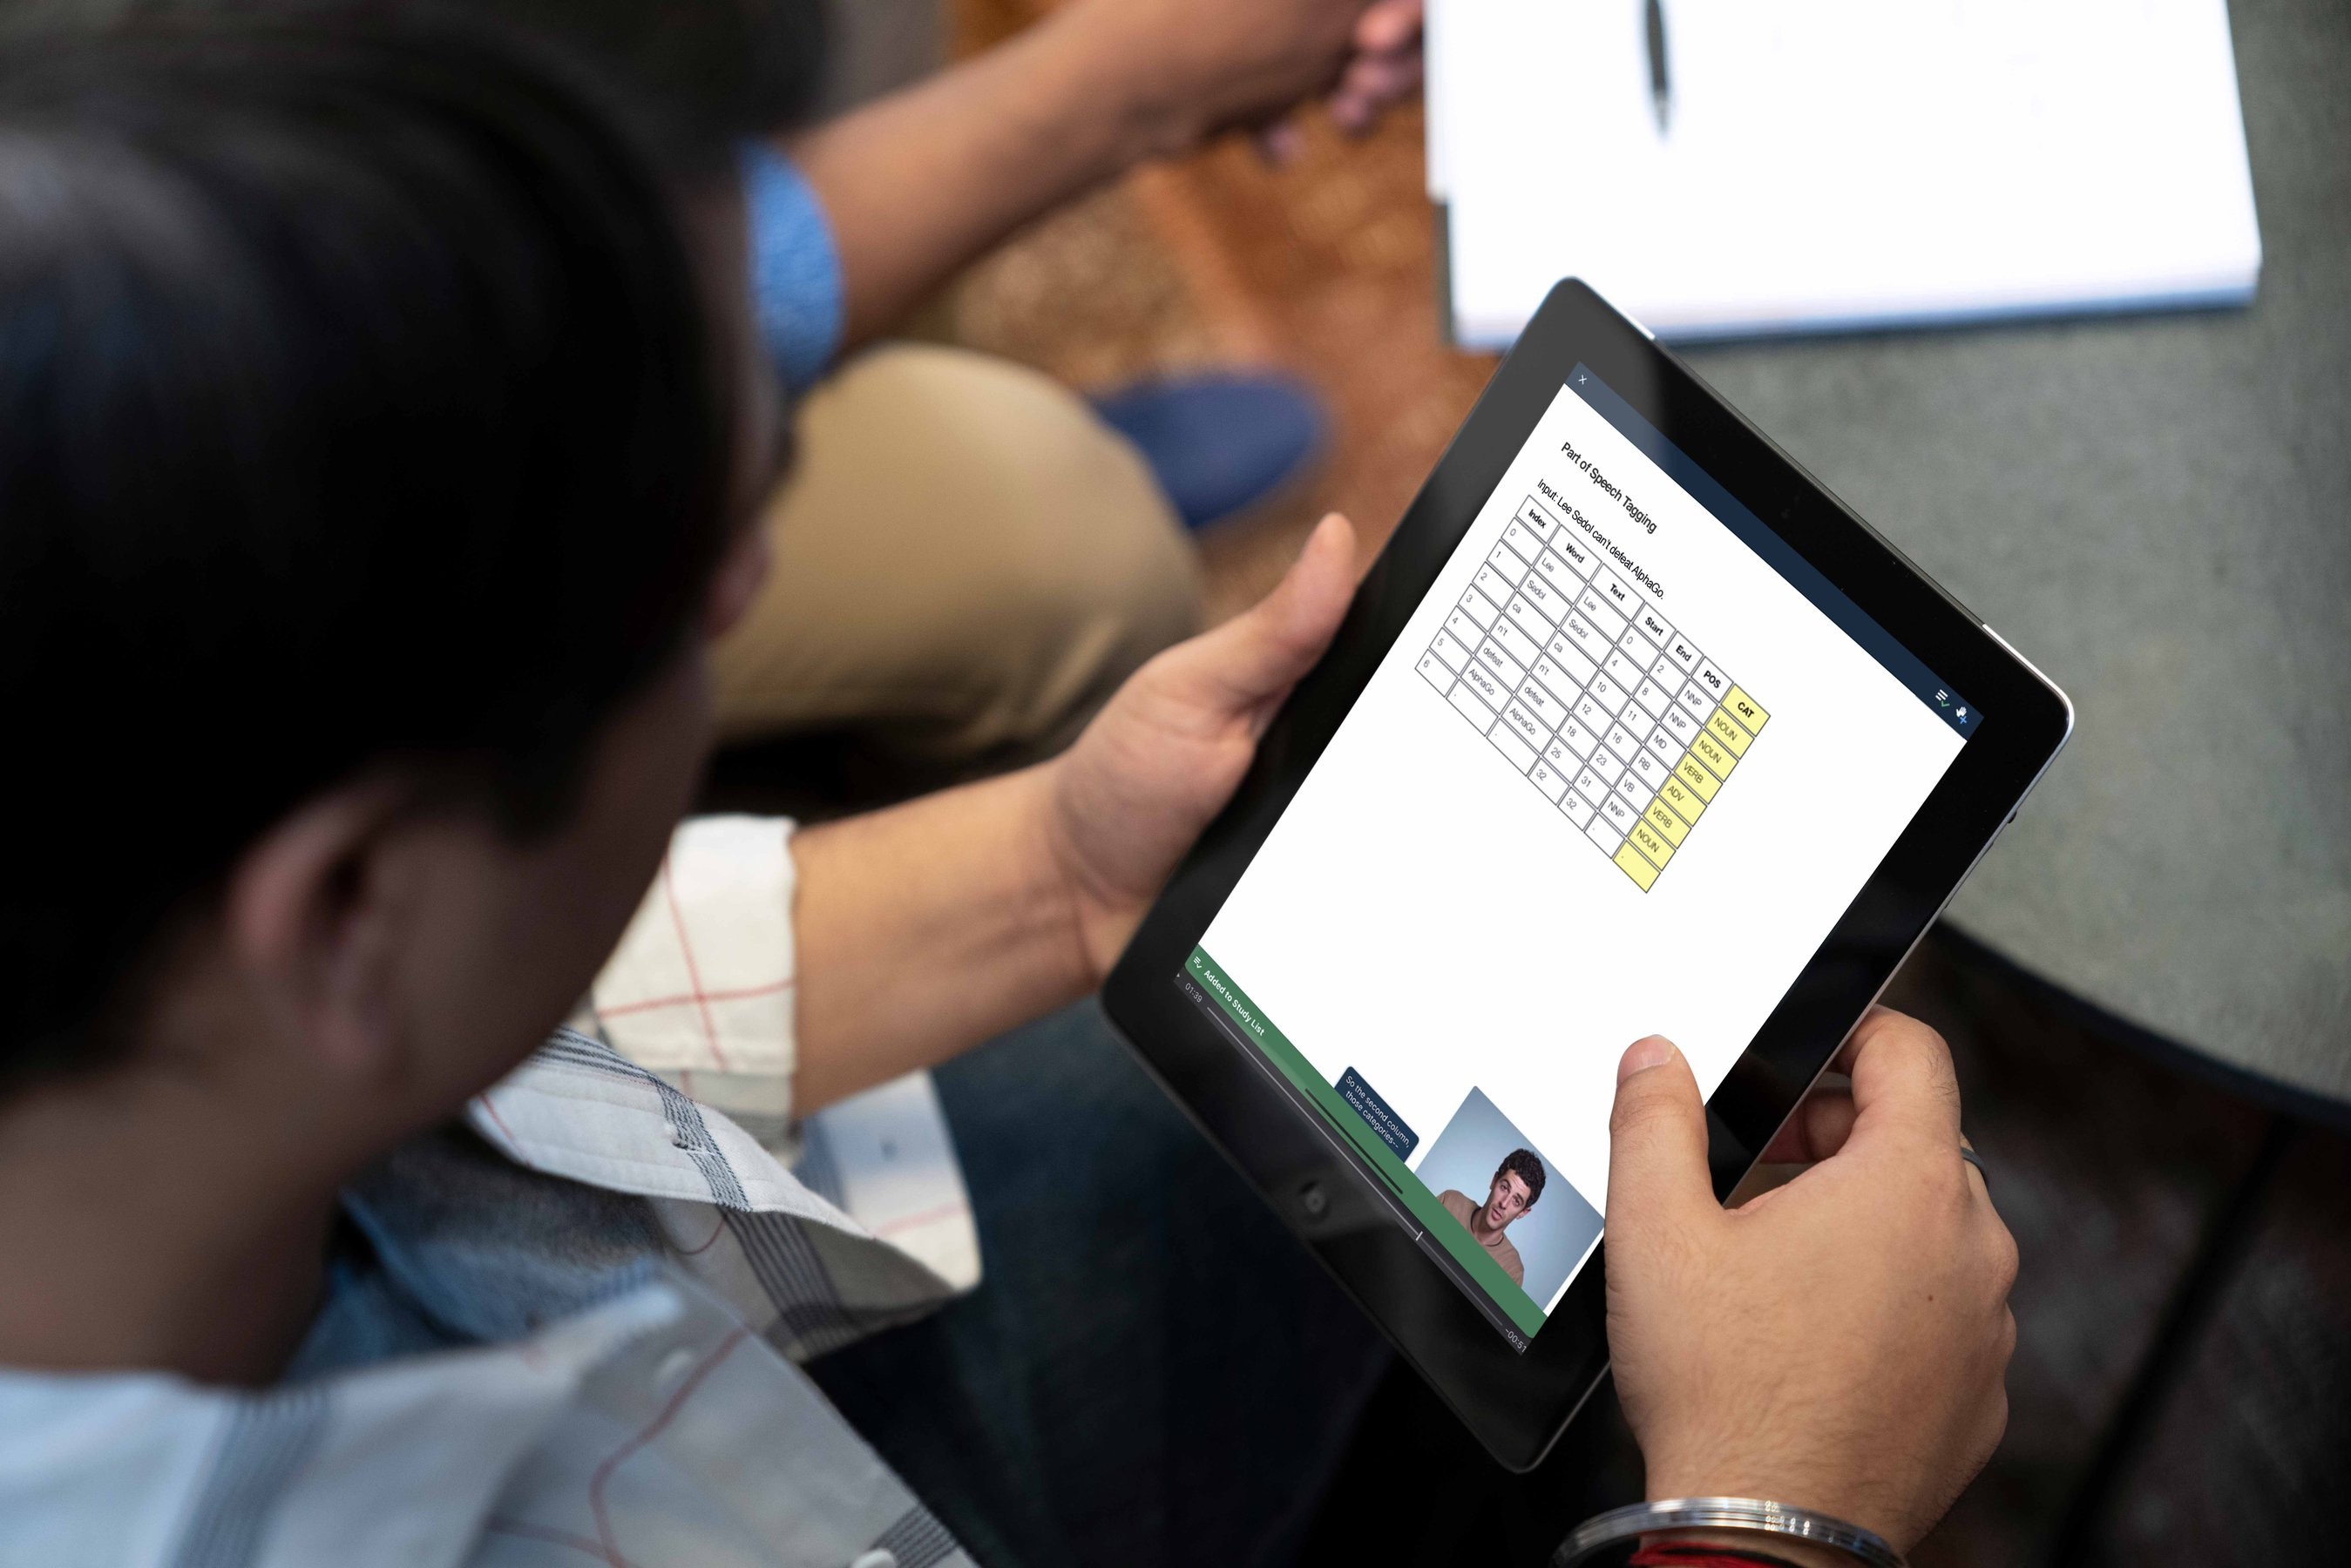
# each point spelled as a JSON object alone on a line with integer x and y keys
{"x": 1661, "y": 89}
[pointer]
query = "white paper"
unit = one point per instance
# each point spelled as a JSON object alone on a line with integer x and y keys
{"x": 1841, "y": 162}
{"x": 1439, "y": 100}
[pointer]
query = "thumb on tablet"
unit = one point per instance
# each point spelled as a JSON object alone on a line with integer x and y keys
{"x": 1249, "y": 664}
{"x": 1657, "y": 1143}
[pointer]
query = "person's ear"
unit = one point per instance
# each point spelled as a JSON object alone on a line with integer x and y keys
{"x": 736, "y": 583}
{"x": 309, "y": 917}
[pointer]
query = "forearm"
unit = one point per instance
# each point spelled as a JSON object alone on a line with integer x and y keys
{"x": 923, "y": 930}
{"x": 920, "y": 182}
{"x": 926, "y": 929}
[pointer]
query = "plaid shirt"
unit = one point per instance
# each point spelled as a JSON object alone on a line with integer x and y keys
{"x": 576, "y": 1337}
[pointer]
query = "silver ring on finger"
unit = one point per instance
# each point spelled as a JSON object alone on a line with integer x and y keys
{"x": 1973, "y": 1158}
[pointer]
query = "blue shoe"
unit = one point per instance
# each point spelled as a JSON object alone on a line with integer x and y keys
{"x": 1217, "y": 443}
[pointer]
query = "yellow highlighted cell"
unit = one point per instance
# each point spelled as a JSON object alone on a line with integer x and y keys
{"x": 1633, "y": 865}
{"x": 1700, "y": 782}
{"x": 1713, "y": 756}
{"x": 1724, "y": 728}
{"x": 1681, "y": 798}
{"x": 1649, "y": 842}
{"x": 1743, "y": 707}
{"x": 1672, "y": 827}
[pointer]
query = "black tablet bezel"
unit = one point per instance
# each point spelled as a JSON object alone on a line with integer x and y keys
{"x": 1516, "y": 1402}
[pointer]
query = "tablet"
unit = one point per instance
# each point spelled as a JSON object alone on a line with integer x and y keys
{"x": 1633, "y": 729}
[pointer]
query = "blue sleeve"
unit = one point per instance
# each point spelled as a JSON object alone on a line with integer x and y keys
{"x": 795, "y": 271}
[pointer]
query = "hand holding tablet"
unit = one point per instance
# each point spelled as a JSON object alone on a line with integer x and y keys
{"x": 1863, "y": 1305}
{"x": 1164, "y": 756}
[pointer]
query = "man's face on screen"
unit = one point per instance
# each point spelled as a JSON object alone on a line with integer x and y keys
{"x": 1506, "y": 1199}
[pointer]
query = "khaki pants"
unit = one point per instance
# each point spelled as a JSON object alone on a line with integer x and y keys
{"x": 966, "y": 562}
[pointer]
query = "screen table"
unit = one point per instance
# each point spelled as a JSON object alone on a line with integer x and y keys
{"x": 1621, "y": 721}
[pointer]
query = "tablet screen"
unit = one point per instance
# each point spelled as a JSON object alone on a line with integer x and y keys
{"x": 1630, "y": 761}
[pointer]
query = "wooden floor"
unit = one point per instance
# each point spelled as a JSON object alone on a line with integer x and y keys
{"x": 2165, "y": 1223}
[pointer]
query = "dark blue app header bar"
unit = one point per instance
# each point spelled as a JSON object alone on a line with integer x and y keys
{"x": 1778, "y": 554}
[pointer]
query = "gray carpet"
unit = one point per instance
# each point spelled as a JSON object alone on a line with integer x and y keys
{"x": 2157, "y": 511}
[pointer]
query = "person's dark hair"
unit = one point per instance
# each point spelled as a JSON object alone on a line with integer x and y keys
{"x": 362, "y": 406}
{"x": 1523, "y": 1164}
{"x": 734, "y": 67}
{"x": 744, "y": 68}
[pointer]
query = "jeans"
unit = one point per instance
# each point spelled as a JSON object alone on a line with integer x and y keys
{"x": 1153, "y": 1372}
